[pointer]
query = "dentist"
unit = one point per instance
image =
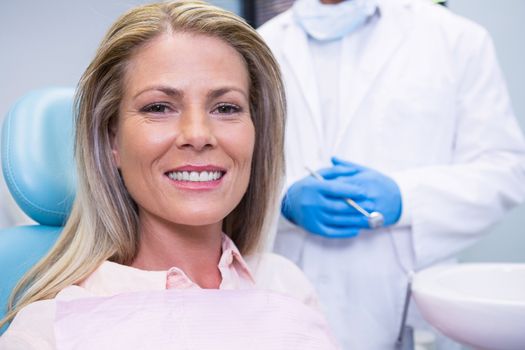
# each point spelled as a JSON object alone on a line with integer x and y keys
{"x": 402, "y": 106}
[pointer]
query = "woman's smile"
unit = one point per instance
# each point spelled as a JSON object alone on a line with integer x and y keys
{"x": 197, "y": 177}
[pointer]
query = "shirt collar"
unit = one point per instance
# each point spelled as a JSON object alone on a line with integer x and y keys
{"x": 234, "y": 271}
{"x": 112, "y": 278}
{"x": 232, "y": 260}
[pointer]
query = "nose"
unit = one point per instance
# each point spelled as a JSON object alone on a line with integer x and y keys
{"x": 195, "y": 131}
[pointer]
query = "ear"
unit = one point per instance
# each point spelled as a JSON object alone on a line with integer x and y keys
{"x": 113, "y": 131}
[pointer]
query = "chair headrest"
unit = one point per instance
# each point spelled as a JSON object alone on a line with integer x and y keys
{"x": 37, "y": 154}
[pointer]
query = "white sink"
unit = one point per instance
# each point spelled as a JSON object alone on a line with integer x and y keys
{"x": 479, "y": 305}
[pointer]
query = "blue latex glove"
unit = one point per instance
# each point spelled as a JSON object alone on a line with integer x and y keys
{"x": 319, "y": 206}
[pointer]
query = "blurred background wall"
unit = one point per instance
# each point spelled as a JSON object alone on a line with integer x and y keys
{"x": 49, "y": 43}
{"x": 505, "y": 20}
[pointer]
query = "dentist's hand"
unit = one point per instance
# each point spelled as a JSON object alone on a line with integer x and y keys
{"x": 320, "y": 207}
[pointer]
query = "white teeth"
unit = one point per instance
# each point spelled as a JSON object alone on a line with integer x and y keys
{"x": 195, "y": 176}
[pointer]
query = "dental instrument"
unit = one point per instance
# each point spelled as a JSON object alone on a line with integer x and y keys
{"x": 375, "y": 219}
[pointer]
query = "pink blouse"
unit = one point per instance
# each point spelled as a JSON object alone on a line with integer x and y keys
{"x": 37, "y": 325}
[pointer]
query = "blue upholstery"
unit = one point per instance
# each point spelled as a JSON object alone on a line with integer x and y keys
{"x": 37, "y": 154}
{"x": 38, "y": 167}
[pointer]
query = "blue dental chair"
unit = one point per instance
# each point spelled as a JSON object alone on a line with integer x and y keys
{"x": 38, "y": 166}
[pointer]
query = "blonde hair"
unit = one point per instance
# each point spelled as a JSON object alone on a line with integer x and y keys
{"x": 103, "y": 224}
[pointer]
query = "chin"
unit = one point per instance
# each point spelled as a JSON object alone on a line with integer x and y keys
{"x": 199, "y": 218}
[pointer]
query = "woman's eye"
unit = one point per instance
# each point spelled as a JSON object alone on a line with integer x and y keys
{"x": 155, "y": 108}
{"x": 227, "y": 109}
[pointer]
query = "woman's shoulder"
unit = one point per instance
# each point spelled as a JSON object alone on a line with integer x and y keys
{"x": 276, "y": 273}
{"x": 32, "y": 328}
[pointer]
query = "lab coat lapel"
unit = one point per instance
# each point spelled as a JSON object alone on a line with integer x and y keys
{"x": 297, "y": 54}
{"x": 377, "y": 46}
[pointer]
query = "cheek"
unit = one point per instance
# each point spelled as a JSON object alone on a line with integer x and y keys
{"x": 244, "y": 146}
{"x": 238, "y": 144}
{"x": 138, "y": 146}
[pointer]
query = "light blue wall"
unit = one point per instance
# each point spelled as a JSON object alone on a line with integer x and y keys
{"x": 505, "y": 20}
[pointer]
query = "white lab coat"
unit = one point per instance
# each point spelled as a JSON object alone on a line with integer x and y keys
{"x": 424, "y": 101}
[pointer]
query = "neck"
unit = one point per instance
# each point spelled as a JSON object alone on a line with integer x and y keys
{"x": 196, "y": 250}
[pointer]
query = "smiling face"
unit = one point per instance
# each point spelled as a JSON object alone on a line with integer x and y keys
{"x": 184, "y": 138}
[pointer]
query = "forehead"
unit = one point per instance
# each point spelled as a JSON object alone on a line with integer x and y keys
{"x": 183, "y": 57}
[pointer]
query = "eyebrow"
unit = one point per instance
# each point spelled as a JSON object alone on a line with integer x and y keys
{"x": 173, "y": 92}
{"x": 224, "y": 90}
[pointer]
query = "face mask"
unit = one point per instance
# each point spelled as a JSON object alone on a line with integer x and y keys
{"x": 330, "y": 22}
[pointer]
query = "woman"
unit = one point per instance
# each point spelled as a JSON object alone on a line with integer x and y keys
{"x": 179, "y": 137}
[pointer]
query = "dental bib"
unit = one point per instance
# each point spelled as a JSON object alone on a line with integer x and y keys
{"x": 191, "y": 319}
